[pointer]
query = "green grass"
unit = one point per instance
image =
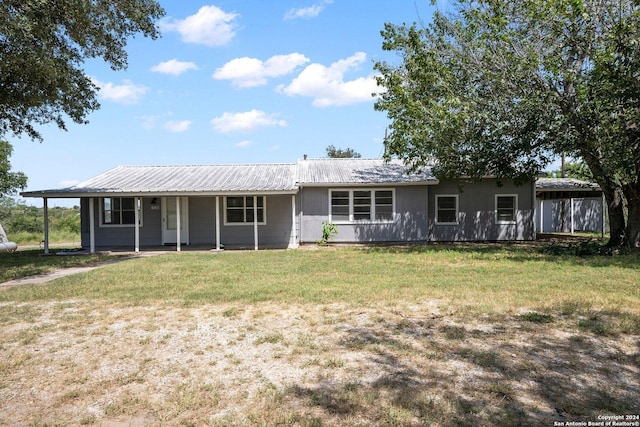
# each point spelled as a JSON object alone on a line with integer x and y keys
{"x": 440, "y": 334}
{"x": 475, "y": 278}
{"x": 55, "y": 236}
{"x": 15, "y": 265}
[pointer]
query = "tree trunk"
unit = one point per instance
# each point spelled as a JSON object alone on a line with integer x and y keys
{"x": 615, "y": 208}
{"x": 613, "y": 195}
{"x": 632, "y": 194}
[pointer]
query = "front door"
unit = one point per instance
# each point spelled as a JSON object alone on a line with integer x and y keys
{"x": 170, "y": 219}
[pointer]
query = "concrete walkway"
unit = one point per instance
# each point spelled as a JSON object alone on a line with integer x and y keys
{"x": 56, "y": 274}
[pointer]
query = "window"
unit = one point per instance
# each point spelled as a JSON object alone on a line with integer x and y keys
{"x": 506, "y": 206}
{"x": 239, "y": 210}
{"x": 361, "y": 205}
{"x": 384, "y": 205}
{"x": 446, "y": 209}
{"x": 339, "y": 206}
{"x": 119, "y": 211}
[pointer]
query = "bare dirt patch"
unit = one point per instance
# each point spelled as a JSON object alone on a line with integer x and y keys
{"x": 71, "y": 363}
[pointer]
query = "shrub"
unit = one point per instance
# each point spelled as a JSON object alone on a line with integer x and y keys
{"x": 329, "y": 230}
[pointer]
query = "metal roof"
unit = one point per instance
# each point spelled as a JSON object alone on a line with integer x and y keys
{"x": 565, "y": 184}
{"x": 359, "y": 171}
{"x": 238, "y": 179}
{"x": 211, "y": 179}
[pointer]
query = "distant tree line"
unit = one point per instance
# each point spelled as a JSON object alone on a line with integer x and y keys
{"x": 17, "y": 217}
{"x": 342, "y": 153}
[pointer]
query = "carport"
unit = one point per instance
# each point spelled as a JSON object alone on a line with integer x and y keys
{"x": 569, "y": 205}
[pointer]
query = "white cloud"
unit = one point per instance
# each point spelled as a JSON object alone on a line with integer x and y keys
{"x": 307, "y": 12}
{"x": 245, "y": 122}
{"x": 174, "y": 67}
{"x": 127, "y": 93}
{"x": 211, "y": 26}
{"x": 176, "y": 127}
{"x": 251, "y": 72}
{"x": 327, "y": 85}
{"x": 149, "y": 122}
{"x": 244, "y": 144}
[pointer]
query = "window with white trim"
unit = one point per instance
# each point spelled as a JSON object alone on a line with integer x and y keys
{"x": 446, "y": 209}
{"x": 506, "y": 207}
{"x": 239, "y": 210}
{"x": 119, "y": 211}
{"x": 376, "y": 205}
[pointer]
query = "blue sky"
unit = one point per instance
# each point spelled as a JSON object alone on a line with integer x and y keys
{"x": 230, "y": 81}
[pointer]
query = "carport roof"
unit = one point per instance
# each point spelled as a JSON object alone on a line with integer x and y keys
{"x": 566, "y": 188}
{"x": 565, "y": 184}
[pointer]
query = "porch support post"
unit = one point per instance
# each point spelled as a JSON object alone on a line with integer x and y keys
{"x": 92, "y": 227}
{"x": 178, "y": 224}
{"x": 217, "y": 223}
{"x": 294, "y": 236}
{"x": 255, "y": 223}
{"x": 136, "y": 202}
{"x": 571, "y": 207}
{"x": 541, "y": 215}
{"x": 45, "y": 204}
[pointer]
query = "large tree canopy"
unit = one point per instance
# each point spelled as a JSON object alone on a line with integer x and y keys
{"x": 43, "y": 44}
{"x": 499, "y": 87}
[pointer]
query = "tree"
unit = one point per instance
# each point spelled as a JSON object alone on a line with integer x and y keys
{"x": 499, "y": 88}
{"x": 577, "y": 170}
{"x": 340, "y": 153}
{"x": 43, "y": 45}
{"x": 9, "y": 181}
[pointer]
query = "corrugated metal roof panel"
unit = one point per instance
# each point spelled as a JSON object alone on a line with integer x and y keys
{"x": 565, "y": 184}
{"x": 359, "y": 171}
{"x": 214, "y": 179}
{"x": 206, "y": 178}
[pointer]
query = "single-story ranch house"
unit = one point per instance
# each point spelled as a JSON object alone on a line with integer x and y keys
{"x": 283, "y": 205}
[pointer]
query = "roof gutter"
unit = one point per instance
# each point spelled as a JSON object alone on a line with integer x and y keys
{"x": 56, "y": 194}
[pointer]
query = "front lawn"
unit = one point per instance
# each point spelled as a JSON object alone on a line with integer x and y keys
{"x": 401, "y": 336}
{"x": 32, "y": 262}
{"x": 477, "y": 278}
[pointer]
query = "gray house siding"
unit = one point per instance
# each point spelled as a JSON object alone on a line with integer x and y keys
{"x": 476, "y": 217}
{"x": 121, "y": 236}
{"x": 202, "y": 220}
{"x": 275, "y": 233}
{"x": 409, "y": 223}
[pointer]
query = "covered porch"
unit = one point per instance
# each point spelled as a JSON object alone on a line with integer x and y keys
{"x": 250, "y": 206}
{"x": 206, "y": 222}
